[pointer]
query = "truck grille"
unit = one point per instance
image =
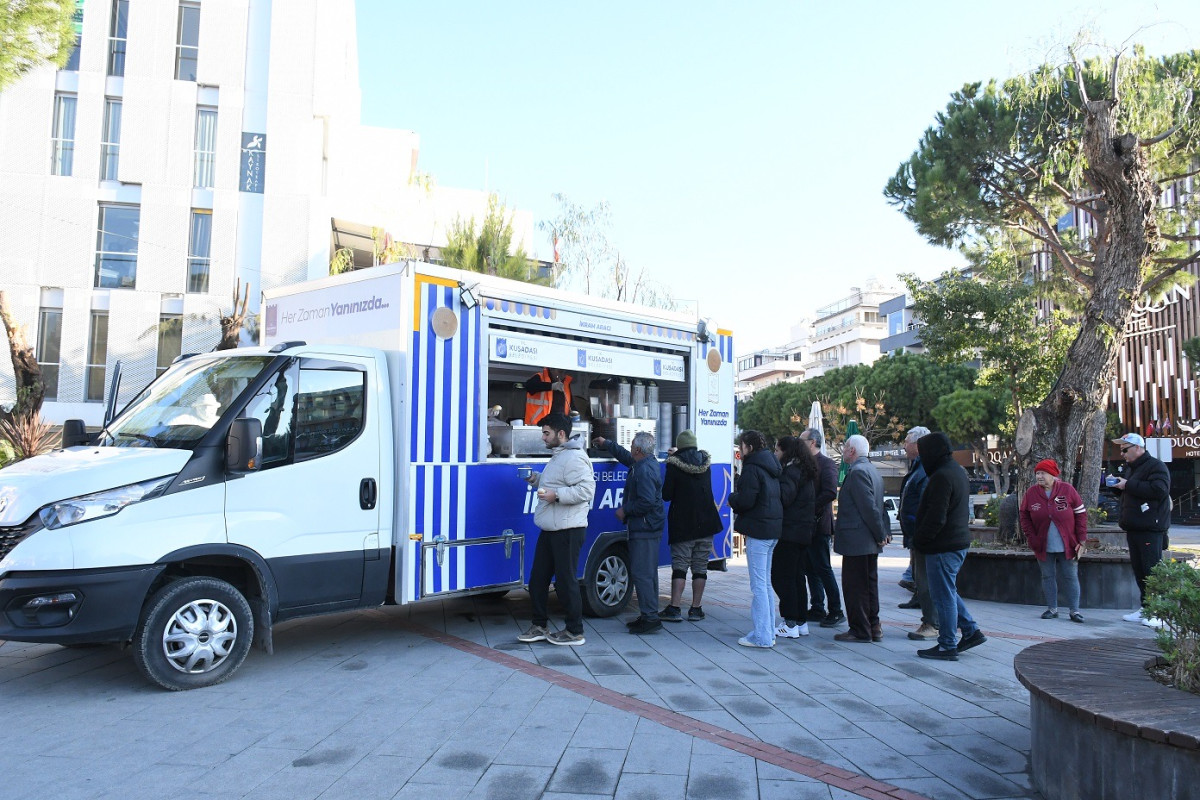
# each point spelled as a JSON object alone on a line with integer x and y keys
{"x": 11, "y": 537}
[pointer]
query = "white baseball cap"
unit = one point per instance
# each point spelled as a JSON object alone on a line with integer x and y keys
{"x": 1131, "y": 439}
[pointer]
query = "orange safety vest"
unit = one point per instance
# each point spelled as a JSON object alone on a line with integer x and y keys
{"x": 537, "y": 405}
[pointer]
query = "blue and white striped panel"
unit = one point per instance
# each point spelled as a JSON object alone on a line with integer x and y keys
{"x": 722, "y": 343}
{"x": 445, "y": 386}
{"x": 438, "y": 506}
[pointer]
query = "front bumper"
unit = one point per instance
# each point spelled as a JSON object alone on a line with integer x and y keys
{"x": 82, "y": 606}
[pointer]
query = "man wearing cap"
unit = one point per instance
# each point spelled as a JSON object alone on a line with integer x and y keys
{"x": 1145, "y": 513}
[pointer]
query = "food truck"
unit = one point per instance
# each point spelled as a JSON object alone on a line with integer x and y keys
{"x": 367, "y": 452}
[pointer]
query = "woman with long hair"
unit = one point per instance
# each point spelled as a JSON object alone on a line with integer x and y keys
{"x": 797, "y": 493}
{"x": 759, "y": 518}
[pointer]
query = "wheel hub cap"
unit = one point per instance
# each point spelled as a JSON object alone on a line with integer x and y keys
{"x": 199, "y": 636}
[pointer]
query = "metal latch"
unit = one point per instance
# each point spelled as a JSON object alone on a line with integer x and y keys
{"x": 440, "y": 539}
{"x": 508, "y": 540}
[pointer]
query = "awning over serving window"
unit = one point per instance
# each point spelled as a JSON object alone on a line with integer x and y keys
{"x": 544, "y": 351}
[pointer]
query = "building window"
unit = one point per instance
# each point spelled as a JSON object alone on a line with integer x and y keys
{"x": 97, "y": 356}
{"x": 116, "y": 247}
{"x": 62, "y": 159}
{"x": 170, "y": 341}
{"x": 110, "y": 140}
{"x": 187, "y": 42}
{"x": 199, "y": 249}
{"x": 118, "y": 32}
{"x": 72, "y": 64}
{"x": 206, "y": 147}
{"x": 48, "y": 343}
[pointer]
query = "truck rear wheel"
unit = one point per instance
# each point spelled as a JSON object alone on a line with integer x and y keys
{"x": 607, "y": 586}
{"x": 194, "y": 632}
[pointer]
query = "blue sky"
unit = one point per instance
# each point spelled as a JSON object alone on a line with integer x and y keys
{"x": 743, "y": 147}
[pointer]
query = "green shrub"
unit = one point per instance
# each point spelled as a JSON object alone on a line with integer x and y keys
{"x": 7, "y": 456}
{"x": 991, "y": 512}
{"x": 1096, "y": 516}
{"x": 1173, "y": 595}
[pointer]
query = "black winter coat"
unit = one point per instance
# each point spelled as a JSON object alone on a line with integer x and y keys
{"x": 798, "y": 494}
{"x": 943, "y": 514}
{"x": 827, "y": 489}
{"x": 643, "y": 500}
{"x": 756, "y": 501}
{"x": 1149, "y": 484}
{"x": 688, "y": 488}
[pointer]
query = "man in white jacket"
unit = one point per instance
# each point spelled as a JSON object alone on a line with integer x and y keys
{"x": 565, "y": 491}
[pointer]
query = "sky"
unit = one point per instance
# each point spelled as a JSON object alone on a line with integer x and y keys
{"x": 742, "y": 147}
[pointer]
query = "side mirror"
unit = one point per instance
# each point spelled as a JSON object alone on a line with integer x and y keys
{"x": 243, "y": 446}
{"x": 74, "y": 433}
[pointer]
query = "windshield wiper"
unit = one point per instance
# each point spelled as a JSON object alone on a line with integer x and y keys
{"x": 139, "y": 436}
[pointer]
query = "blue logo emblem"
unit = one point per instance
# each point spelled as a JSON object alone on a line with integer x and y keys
{"x": 658, "y": 367}
{"x": 502, "y": 348}
{"x": 582, "y": 358}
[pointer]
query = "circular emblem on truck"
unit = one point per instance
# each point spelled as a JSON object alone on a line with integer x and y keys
{"x": 444, "y": 323}
{"x": 714, "y": 360}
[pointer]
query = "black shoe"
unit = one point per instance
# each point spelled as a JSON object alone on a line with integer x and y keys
{"x": 634, "y": 621}
{"x": 910, "y": 604}
{"x": 833, "y": 619}
{"x": 671, "y": 614}
{"x": 1048, "y": 614}
{"x": 644, "y": 625}
{"x": 816, "y": 614}
{"x": 974, "y": 640}
{"x": 695, "y": 614}
{"x": 938, "y": 653}
{"x": 910, "y": 585}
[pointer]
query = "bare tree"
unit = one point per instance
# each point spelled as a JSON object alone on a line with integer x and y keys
{"x": 30, "y": 388}
{"x": 231, "y": 324}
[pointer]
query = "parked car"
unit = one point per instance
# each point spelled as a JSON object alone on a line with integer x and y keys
{"x": 892, "y": 505}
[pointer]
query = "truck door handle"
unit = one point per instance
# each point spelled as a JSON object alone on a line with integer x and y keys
{"x": 367, "y": 494}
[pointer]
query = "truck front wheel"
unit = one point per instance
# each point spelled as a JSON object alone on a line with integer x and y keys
{"x": 194, "y": 632}
{"x": 607, "y": 586}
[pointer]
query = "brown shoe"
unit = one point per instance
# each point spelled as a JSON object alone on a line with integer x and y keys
{"x": 850, "y": 636}
{"x": 877, "y": 634}
{"x": 923, "y": 633}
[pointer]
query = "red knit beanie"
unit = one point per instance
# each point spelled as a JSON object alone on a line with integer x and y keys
{"x": 1048, "y": 466}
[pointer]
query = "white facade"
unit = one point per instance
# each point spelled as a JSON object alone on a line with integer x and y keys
{"x": 765, "y": 368}
{"x": 848, "y": 331}
{"x": 286, "y": 73}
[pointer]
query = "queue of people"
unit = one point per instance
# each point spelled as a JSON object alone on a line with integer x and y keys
{"x": 782, "y": 502}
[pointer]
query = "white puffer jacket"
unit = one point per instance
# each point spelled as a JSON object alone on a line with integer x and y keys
{"x": 569, "y": 473}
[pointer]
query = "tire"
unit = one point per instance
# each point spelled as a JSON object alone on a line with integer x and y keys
{"x": 492, "y": 597}
{"x": 194, "y": 632}
{"x": 608, "y": 585}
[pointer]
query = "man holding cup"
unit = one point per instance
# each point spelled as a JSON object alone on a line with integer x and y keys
{"x": 565, "y": 489}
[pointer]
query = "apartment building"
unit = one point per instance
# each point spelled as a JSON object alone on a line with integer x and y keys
{"x": 186, "y": 148}
{"x": 849, "y": 331}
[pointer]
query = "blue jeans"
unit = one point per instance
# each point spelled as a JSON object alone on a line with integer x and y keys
{"x": 941, "y": 571}
{"x": 643, "y": 563}
{"x": 762, "y": 614}
{"x": 1068, "y": 570}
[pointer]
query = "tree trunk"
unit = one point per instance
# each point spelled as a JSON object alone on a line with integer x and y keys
{"x": 1118, "y": 167}
{"x": 30, "y": 388}
{"x": 231, "y": 325}
{"x": 1092, "y": 460}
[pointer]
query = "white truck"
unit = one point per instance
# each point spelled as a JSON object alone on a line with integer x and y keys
{"x": 366, "y": 453}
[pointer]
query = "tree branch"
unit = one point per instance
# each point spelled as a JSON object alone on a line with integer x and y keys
{"x": 1083, "y": 95}
{"x": 1181, "y": 176}
{"x": 1112, "y": 82}
{"x": 1070, "y": 263}
{"x": 1169, "y": 132}
{"x": 1177, "y": 266}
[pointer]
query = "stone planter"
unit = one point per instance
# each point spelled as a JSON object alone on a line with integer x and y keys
{"x": 1012, "y": 576}
{"x": 1101, "y": 728}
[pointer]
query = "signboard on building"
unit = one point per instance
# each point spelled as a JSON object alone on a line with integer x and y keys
{"x": 254, "y": 162}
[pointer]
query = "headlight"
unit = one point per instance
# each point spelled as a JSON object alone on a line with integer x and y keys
{"x": 101, "y": 504}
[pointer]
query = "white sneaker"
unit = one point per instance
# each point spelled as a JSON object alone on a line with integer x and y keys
{"x": 1136, "y": 616}
{"x": 791, "y": 631}
{"x": 1154, "y": 622}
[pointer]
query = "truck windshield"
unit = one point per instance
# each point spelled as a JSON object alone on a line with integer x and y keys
{"x": 179, "y": 408}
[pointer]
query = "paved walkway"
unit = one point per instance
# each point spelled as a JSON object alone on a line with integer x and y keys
{"x": 440, "y": 700}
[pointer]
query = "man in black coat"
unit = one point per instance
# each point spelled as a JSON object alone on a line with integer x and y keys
{"x": 942, "y": 535}
{"x": 821, "y": 581}
{"x": 1145, "y": 513}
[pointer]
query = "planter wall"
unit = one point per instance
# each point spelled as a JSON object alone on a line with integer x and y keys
{"x": 1004, "y": 576}
{"x": 1101, "y": 728}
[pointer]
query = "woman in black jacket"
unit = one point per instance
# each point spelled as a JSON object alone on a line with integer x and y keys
{"x": 759, "y": 518}
{"x": 797, "y": 493}
{"x": 692, "y": 519}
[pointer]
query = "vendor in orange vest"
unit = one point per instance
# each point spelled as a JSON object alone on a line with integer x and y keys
{"x": 548, "y": 393}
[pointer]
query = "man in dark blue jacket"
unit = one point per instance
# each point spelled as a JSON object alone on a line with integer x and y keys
{"x": 943, "y": 536}
{"x": 1145, "y": 513}
{"x": 911, "y": 490}
{"x": 645, "y": 518}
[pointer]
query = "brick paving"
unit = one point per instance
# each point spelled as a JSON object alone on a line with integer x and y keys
{"x": 441, "y": 700}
